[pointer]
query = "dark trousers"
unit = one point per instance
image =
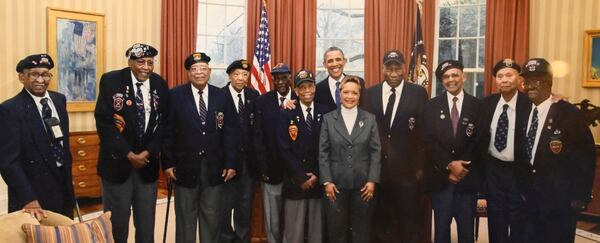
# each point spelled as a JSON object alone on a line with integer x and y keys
{"x": 397, "y": 213}
{"x": 506, "y": 209}
{"x": 448, "y": 204}
{"x": 348, "y": 219}
{"x": 238, "y": 195}
{"x": 134, "y": 194}
{"x": 550, "y": 218}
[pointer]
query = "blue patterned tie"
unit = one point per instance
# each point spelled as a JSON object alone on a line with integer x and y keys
{"x": 337, "y": 93}
{"x": 532, "y": 133}
{"x": 501, "y": 130}
{"x": 141, "y": 112}
{"x": 57, "y": 149}
{"x": 202, "y": 109}
{"x": 309, "y": 120}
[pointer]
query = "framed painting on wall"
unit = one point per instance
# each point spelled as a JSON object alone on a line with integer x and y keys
{"x": 591, "y": 58}
{"x": 76, "y": 42}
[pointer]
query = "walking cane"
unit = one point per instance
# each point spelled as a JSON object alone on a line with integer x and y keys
{"x": 169, "y": 193}
{"x": 78, "y": 211}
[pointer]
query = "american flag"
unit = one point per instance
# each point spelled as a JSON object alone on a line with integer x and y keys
{"x": 261, "y": 65}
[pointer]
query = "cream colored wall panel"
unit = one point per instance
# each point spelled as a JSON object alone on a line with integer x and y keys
{"x": 557, "y": 34}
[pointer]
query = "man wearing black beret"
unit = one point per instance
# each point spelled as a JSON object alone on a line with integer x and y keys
{"x": 451, "y": 161}
{"x": 560, "y": 157}
{"x": 503, "y": 115}
{"x": 198, "y": 153}
{"x": 36, "y": 160}
{"x": 130, "y": 112}
{"x": 241, "y": 189}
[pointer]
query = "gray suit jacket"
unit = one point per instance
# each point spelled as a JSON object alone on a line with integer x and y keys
{"x": 349, "y": 160}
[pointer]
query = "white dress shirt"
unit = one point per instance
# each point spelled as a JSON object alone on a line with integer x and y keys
{"x": 459, "y": 102}
{"x": 508, "y": 154}
{"x": 312, "y": 110}
{"x": 385, "y": 96}
{"x": 542, "y": 113}
{"x": 197, "y": 97}
{"x": 234, "y": 95}
{"x": 349, "y": 117}
{"x": 146, "y": 96}
{"x": 38, "y": 104}
{"x": 288, "y": 96}
{"x": 331, "y": 81}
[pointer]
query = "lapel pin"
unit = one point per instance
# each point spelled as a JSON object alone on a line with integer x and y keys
{"x": 361, "y": 124}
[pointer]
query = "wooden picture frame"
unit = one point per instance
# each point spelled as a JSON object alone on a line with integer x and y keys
{"x": 591, "y": 58}
{"x": 76, "y": 43}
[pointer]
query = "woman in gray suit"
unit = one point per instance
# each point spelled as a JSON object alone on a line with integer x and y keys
{"x": 349, "y": 153}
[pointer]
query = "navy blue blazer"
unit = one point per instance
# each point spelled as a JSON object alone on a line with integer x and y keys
{"x": 442, "y": 147}
{"x": 269, "y": 161}
{"x": 245, "y": 152}
{"x": 301, "y": 154}
{"x": 401, "y": 157}
{"x": 323, "y": 94}
{"x": 188, "y": 143}
{"x": 29, "y": 169}
{"x": 116, "y": 101}
{"x": 564, "y": 165}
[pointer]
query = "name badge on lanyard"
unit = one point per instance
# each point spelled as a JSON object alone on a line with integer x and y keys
{"x": 54, "y": 124}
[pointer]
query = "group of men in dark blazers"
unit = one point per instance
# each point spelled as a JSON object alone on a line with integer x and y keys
{"x": 533, "y": 151}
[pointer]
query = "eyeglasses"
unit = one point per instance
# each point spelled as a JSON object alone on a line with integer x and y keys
{"x": 199, "y": 69}
{"x": 35, "y": 75}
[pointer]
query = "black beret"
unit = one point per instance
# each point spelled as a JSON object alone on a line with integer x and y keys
{"x": 35, "y": 61}
{"x": 238, "y": 64}
{"x": 537, "y": 66}
{"x": 393, "y": 56}
{"x": 445, "y": 66}
{"x": 281, "y": 68}
{"x": 139, "y": 50}
{"x": 302, "y": 76}
{"x": 194, "y": 58}
{"x": 506, "y": 63}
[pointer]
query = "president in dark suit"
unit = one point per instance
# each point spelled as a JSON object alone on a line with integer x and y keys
{"x": 130, "y": 113}
{"x": 328, "y": 91}
{"x": 37, "y": 161}
{"x": 560, "y": 154}
{"x": 349, "y": 166}
{"x": 397, "y": 105}
{"x": 269, "y": 162}
{"x": 453, "y": 173}
{"x": 199, "y": 152}
{"x": 240, "y": 190}
{"x": 502, "y": 117}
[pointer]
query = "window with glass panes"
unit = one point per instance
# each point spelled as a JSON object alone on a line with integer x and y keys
{"x": 341, "y": 23}
{"x": 460, "y": 35}
{"x": 221, "y": 35}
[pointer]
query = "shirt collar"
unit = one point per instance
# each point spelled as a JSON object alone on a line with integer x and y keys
{"x": 512, "y": 103}
{"x": 195, "y": 90}
{"x": 312, "y": 106}
{"x": 37, "y": 99}
{"x": 234, "y": 92}
{"x": 135, "y": 81}
{"x": 387, "y": 88}
{"x": 332, "y": 80}
{"x": 288, "y": 96}
{"x": 460, "y": 96}
{"x": 544, "y": 106}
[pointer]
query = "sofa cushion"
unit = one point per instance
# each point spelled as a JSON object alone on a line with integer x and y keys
{"x": 96, "y": 230}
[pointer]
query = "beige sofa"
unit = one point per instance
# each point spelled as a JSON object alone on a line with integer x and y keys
{"x": 10, "y": 224}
